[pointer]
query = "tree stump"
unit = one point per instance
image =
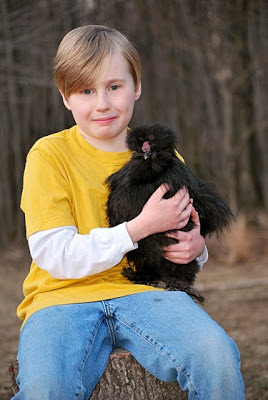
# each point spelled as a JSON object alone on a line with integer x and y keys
{"x": 125, "y": 379}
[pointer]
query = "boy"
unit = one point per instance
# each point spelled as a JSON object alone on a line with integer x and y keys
{"x": 77, "y": 305}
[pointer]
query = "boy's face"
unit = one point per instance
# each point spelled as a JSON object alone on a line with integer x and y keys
{"x": 102, "y": 112}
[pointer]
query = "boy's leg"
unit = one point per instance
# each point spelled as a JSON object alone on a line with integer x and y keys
{"x": 174, "y": 338}
{"x": 63, "y": 351}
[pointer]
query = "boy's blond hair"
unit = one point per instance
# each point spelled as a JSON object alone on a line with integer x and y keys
{"x": 79, "y": 59}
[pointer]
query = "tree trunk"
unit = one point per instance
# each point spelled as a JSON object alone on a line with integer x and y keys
{"x": 124, "y": 379}
{"x": 13, "y": 108}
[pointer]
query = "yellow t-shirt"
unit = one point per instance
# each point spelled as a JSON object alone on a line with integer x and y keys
{"x": 64, "y": 186}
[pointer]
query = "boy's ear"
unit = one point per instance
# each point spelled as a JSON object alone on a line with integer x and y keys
{"x": 65, "y": 101}
{"x": 138, "y": 92}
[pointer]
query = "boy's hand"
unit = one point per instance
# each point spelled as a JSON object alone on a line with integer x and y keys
{"x": 167, "y": 214}
{"x": 160, "y": 215}
{"x": 191, "y": 244}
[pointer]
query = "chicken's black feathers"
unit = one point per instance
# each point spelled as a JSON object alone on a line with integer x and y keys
{"x": 154, "y": 161}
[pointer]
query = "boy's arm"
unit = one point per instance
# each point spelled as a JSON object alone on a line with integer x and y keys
{"x": 65, "y": 254}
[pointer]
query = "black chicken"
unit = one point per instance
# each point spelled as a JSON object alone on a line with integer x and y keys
{"x": 154, "y": 161}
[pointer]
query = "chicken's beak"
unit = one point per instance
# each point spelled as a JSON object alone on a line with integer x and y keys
{"x": 146, "y": 155}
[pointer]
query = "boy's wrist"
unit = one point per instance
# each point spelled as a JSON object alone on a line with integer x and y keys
{"x": 137, "y": 229}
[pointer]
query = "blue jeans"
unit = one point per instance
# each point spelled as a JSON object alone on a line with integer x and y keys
{"x": 64, "y": 350}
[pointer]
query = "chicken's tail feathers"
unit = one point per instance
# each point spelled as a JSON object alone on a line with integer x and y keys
{"x": 215, "y": 214}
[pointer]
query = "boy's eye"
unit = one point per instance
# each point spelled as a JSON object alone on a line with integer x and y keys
{"x": 87, "y": 91}
{"x": 114, "y": 87}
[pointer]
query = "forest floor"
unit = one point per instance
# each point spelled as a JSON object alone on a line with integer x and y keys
{"x": 236, "y": 297}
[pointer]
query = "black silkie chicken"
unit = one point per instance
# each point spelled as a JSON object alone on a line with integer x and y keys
{"x": 154, "y": 162}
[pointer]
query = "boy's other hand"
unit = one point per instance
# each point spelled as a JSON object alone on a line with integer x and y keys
{"x": 190, "y": 244}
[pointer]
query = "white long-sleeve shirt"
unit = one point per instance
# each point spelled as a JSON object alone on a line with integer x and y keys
{"x": 65, "y": 254}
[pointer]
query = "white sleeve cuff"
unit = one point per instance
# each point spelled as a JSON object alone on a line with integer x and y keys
{"x": 202, "y": 259}
{"x": 120, "y": 236}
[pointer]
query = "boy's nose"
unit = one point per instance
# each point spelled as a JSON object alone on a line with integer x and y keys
{"x": 103, "y": 102}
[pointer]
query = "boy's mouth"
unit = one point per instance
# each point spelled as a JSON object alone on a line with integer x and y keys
{"x": 105, "y": 120}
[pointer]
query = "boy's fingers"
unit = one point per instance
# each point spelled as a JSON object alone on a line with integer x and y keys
{"x": 179, "y": 235}
{"x": 185, "y": 214}
{"x": 195, "y": 216}
{"x": 161, "y": 191}
{"x": 182, "y": 193}
{"x": 173, "y": 257}
{"x": 164, "y": 188}
{"x": 185, "y": 203}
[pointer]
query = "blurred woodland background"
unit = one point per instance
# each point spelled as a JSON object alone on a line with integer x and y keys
{"x": 203, "y": 74}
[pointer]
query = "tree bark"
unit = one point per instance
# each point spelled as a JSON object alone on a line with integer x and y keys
{"x": 12, "y": 101}
{"x": 124, "y": 379}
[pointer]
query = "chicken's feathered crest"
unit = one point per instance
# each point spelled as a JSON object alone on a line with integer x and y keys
{"x": 153, "y": 148}
{"x": 160, "y": 138}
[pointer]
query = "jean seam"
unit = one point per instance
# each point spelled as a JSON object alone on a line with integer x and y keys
{"x": 87, "y": 352}
{"x": 194, "y": 391}
{"x": 109, "y": 321}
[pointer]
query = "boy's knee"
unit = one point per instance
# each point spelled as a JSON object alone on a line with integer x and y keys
{"x": 46, "y": 386}
{"x": 217, "y": 350}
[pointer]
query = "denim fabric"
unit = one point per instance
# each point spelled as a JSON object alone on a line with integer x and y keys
{"x": 64, "y": 350}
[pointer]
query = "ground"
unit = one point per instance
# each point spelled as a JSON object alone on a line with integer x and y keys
{"x": 236, "y": 297}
